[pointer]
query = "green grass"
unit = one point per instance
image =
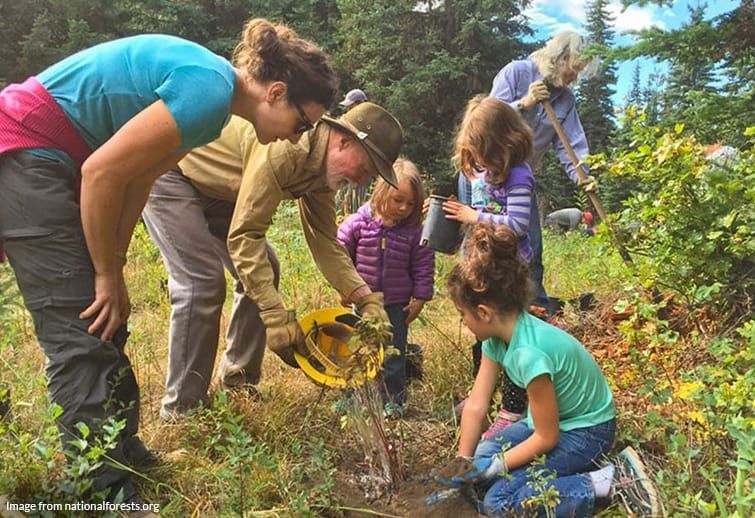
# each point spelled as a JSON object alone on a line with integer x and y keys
{"x": 286, "y": 455}
{"x": 577, "y": 264}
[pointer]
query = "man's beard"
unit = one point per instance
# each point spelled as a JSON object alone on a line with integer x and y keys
{"x": 335, "y": 181}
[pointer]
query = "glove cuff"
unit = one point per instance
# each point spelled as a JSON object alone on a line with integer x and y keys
{"x": 277, "y": 317}
{"x": 499, "y": 464}
{"x": 375, "y": 297}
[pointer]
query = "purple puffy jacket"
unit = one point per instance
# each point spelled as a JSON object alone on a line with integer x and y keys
{"x": 400, "y": 268}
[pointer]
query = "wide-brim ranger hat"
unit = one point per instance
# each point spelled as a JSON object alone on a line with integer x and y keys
{"x": 378, "y": 132}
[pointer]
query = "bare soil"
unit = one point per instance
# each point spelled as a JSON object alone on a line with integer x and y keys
{"x": 425, "y": 454}
{"x": 455, "y": 468}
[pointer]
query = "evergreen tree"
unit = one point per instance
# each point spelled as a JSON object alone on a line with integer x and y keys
{"x": 705, "y": 56}
{"x": 59, "y": 29}
{"x": 653, "y": 97}
{"x": 423, "y": 61}
{"x": 594, "y": 96}
{"x": 688, "y": 71}
{"x": 37, "y": 33}
{"x": 635, "y": 90}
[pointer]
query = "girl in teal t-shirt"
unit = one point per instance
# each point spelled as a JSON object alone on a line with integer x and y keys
{"x": 571, "y": 416}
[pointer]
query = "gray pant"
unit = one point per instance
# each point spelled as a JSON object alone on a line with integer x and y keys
{"x": 191, "y": 229}
{"x": 89, "y": 378}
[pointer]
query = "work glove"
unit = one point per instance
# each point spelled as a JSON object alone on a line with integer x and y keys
{"x": 371, "y": 306}
{"x": 537, "y": 92}
{"x": 442, "y": 496}
{"x": 284, "y": 335}
{"x": 480, "y": 469}
{"x": 588, "y": 184}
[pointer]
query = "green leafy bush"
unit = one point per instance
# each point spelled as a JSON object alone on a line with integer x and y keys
{"x": 39, "y": 469}
{"x": 691, "y": 218}
{"x": 720, "y": 438}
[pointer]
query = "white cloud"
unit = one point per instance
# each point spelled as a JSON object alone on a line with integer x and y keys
{"x": 562, "y": 12}
{"x": 550, "y": 23}
{"x": 634, "y": 18}
{"x": 557, "y": 15}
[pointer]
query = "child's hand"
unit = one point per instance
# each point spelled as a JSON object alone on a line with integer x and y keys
{"x": 465, "y": 470}
{"x": 426, "y": 204}
{"x": 460, "y": 212}
{"x": 414, "y": 308}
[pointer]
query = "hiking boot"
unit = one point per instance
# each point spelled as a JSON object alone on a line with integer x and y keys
{"x": 503, "y": 419}
{"x": 633, "y": 486}
{"x": 137, "y": 454}
{"x": 179, "y": 413}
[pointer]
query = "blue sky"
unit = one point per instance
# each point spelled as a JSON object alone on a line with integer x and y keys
{"x": 547, "y": 17}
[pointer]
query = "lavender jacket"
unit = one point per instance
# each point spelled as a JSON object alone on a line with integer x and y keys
{"x": 512, "y": 83}
{"x": 389, "y": 259}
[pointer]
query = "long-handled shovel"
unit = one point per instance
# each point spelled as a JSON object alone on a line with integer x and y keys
{"x": 582, "y": 176}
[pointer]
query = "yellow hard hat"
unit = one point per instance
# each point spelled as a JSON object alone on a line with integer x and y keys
{"x": 327, "y": 333}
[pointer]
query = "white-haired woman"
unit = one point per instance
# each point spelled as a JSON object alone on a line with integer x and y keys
{"x": 546, "y": 74}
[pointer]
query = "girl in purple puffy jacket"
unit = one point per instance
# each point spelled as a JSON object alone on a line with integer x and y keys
{"x": 382, "y": 238}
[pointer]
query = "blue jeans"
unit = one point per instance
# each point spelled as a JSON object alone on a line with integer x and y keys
{"x": 577, "y": 452}
{"x": 464, "y": 193}
{"x": 393, "y": 387}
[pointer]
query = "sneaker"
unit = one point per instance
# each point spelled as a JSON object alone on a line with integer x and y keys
{"x": 503, "y": 419}
{"x": 393, "y": 411}
{"x": 634, "y": 487}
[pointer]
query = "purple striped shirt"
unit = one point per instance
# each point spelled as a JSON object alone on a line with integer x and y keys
{"x": 507, "y": 204}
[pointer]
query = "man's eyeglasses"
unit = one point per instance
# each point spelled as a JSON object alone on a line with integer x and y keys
{"x": 304, "y": 124}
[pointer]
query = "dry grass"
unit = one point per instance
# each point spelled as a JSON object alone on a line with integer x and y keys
{"x": 298, "y": 459}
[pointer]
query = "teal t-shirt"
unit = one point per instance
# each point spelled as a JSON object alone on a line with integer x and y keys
{"x": 104, "y": 86}
{"x": 582, "y": 392}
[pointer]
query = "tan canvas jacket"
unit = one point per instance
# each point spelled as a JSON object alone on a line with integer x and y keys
{"x": 259, "y": 177}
